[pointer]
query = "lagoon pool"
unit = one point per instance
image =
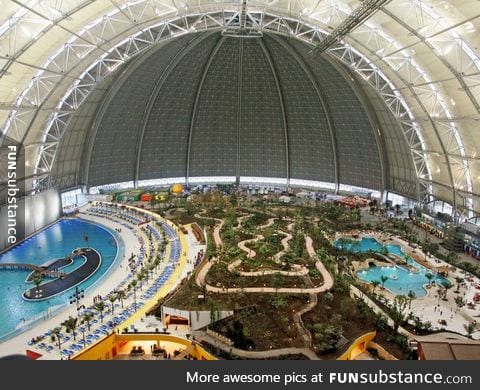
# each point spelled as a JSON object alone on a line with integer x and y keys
{"x": 400, "y": 280}
{"x": 58, "y": 240}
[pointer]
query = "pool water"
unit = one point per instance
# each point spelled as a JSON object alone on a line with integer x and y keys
{"x": 400, "y": 280}
{"x": 58, "y": 240}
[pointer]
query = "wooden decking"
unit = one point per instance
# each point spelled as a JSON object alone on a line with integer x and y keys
{"x": 31, "y": 267}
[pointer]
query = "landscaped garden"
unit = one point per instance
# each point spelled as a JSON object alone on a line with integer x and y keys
{"x": 264, "y": 245}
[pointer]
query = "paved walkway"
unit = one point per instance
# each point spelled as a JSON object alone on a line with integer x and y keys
{"x": 326, "y": 285}
{"x": 300, "y": 270}
{"x": 273, "y": 353}
{"x": 243, "y": 244}
{"x": 217, "y": 239}
{"x": 284, "y": 242}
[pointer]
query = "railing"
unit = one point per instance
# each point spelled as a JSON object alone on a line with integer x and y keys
{"x": 10, "y": 266}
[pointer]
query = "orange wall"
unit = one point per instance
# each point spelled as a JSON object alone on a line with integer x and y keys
{"x": 107, "y": 348}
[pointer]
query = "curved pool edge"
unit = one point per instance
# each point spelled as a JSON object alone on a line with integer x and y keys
{"x": 55, "y": 310}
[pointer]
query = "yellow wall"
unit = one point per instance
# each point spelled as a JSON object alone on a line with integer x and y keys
{"x": 99, "y": 351}
{"x": 105, "y": 348}
{"x": 358, "y": 346}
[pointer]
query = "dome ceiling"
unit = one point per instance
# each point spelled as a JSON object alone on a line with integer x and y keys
{"x": 422, "y": 57}
{"x": 209, "y": 104}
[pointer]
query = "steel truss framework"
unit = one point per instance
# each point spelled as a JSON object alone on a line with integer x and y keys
{"x": 382, "y": 54}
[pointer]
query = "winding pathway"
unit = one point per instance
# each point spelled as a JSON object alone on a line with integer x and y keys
{"x": 273, "y": 353}
{"x": 300, "y": 270}
{"x": 216, "y": 231}
{"x": 297, "y": 316}
{"x": 325, "y": 286}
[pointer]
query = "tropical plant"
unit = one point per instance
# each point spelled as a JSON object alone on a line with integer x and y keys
{"x": 56, "y": 336}
{"x": 459, "y": 281}
{"x": 441, "y": 293}
{"x": 383, "y": 279}
{"x": 278, "y": 301}
{"x": 429, "y": 276}
{"x": 121, "y": 294}
{"x": 70, "y": 324}
{"x": 384, "y": 250}
{"x": 141, "y": 278}
{"x": 375, "y": 284}
{"x": 343, "y": 243}
{"x": 100, "y": 307}
{"x": 112, "y": 298}
{"x": 470, "y": 328}
{"x": 411, "y": 296}
{"x": 447, "y": 286}
{"x": 37, "y": 278}
{"x": 460, "y": 302}
{"x": 328, "y": 298}
{"x": 87, "y": 317}
{"x": 133, "y": 285}
{"x": 327, "y": 336}
{"x": 398, "y": 311}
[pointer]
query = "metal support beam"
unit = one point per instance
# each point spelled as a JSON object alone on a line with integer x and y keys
{"x": 444, "y": 61}
{"x": 356, "y": 18}
{"x": 243, "y": 15}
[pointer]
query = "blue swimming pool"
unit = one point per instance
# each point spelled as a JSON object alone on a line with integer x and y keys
{"x": 400, "y": 280}
{"x": 56, "y": 241}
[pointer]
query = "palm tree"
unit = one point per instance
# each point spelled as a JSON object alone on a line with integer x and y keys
{"x": 447, "y": 285}
{"x": 87, "y": 317}
{"x": 163, "y": 246}
{"x": 121, "y": 294}
{"x": 56, "y": 334}
{"x": 145, "y": 272}
{"x": 151, "y": 268}
{"x": 133, "y": 283}
{"x": 460, "y": 302}
{"x": 112, "y": 298}
{"x": 156, "y": 263}
{"x": 440, "y": 293}
{"x": 37, "y": 278}
{"x": 398, "y": 314}
{"x": 383, "y": 250}
{"x": 470, "y": 328}
{"x": 383, "y": 279}
{"x": 429, "y": 276}
{"x": 411, "y": 296}
{"x": 141, "y": 277}
{"x": 375, "y": 284}
{"x": 100, "y": 307}
{"x": 70, "y": 324}
{"x": 459, "y": 281}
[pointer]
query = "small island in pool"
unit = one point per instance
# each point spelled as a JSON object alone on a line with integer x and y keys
{"x": 66, "y": 281}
